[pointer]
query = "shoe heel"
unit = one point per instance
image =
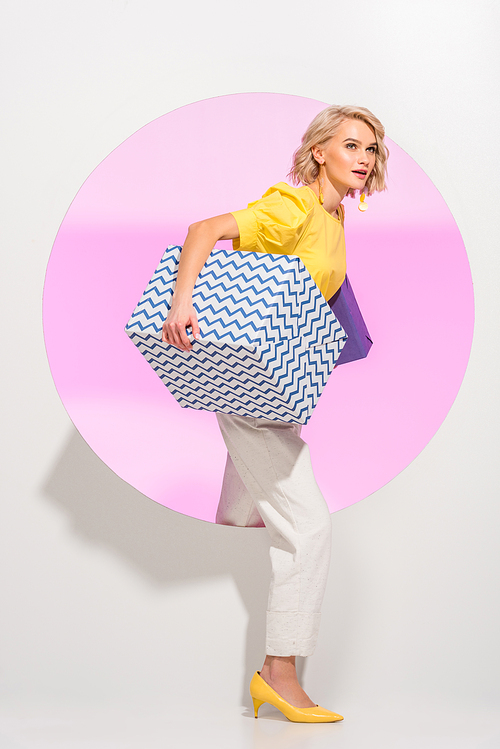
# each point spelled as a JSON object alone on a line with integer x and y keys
{"x": 256, "y": 704}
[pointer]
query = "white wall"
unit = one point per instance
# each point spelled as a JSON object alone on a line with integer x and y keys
{"x": 109, "y": 597}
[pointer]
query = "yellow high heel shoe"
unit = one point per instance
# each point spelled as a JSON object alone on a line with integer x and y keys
{"x": 261, "y": 692}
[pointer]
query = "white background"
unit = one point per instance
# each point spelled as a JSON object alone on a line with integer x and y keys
{"x": 124, "y": 624}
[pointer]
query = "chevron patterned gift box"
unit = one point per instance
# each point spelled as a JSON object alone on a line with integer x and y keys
{"x": 269, "y": 340}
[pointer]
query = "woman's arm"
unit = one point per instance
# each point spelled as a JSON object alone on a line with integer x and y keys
{"x": 199, "y": 243}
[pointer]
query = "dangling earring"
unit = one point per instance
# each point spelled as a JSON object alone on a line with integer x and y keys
{"x": 362, "y": 205}
{"x": 320, "y": 180}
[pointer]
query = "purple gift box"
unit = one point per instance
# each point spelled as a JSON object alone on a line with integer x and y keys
{"x": 345, "y": 308}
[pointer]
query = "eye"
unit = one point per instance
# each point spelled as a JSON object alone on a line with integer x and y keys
{"x": 372, "y": 149}
{"x": 351, "y": 144}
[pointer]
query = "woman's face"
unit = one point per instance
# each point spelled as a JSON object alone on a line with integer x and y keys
{"x": 349, "y": 156}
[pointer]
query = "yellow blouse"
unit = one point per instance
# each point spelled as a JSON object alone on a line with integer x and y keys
{"x": 291, "y": 221}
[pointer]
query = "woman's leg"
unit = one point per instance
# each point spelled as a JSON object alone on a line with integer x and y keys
{"x": 274, "y": 465}
{"x": 236, "y": 506}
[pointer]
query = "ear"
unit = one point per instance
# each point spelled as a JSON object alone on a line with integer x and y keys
{"x": 318, "y": 154}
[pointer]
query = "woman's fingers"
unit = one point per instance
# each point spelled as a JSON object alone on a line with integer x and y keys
{"x": 174, "y": 330}
{"x": 168, "y": 333}
{"x": 182, "y": 335}
{"x": 175, "y": 335}
{"x": 195, "y": 327}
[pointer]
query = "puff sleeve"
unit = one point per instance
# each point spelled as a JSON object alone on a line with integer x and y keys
{"x": 274, "y": 223}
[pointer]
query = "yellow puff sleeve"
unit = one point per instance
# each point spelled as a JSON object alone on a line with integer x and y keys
{"x": 275, "y": 222}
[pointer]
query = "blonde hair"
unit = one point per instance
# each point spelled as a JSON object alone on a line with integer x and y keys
{"x": 305, "y": 168}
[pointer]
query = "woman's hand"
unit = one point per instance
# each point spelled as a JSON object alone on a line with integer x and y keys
{"x": 182, "y": 315}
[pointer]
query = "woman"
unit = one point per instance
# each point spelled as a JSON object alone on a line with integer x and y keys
{"x": 268, "y": 478}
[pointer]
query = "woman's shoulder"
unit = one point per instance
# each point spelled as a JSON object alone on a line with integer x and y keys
{"x": 303, "y": 193}
{"x": 301, "y": 197}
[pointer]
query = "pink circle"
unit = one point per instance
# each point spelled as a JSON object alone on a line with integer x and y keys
{"x": 406, "y": 262}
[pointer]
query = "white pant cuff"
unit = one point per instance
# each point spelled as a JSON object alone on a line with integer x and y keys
{"x": 291, "y": 633}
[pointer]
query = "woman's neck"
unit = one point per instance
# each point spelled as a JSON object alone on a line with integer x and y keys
{"x": 332, "y": 194}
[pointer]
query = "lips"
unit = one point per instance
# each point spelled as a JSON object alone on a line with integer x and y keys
{"x": 360, "y": 172}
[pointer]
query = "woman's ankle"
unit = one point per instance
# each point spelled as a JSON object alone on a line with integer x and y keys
{"x": 280, "y": 674}
{"x": 279, "y": 668}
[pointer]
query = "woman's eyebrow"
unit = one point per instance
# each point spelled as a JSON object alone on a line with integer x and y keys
{"x": 357, "y": 141}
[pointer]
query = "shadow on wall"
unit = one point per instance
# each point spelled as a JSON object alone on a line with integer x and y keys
{"x": 160, "y": 544}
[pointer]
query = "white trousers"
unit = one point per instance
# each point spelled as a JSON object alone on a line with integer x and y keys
{"x": 269, "y": 481}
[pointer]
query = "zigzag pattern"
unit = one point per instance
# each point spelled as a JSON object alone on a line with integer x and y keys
{"x": 269, "y": 339}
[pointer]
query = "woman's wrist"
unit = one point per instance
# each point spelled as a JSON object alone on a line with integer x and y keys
{"x": 183, "y": 294}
